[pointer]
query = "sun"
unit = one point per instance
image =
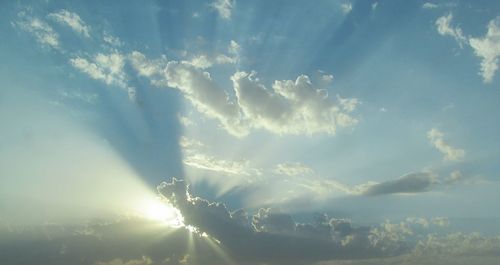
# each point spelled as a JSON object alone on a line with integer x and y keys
{"x": 158, "y": 210}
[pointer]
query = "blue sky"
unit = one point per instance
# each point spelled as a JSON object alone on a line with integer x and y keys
{"x": 365, "y": 110}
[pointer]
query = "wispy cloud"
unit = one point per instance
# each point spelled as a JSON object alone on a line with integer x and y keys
{"x": 43, "y": 32}
{"x": 443, "y": 25}
{"x": 436, "y": 138}
{"x": 224, "y": 8}
{"x": 293, "y": 169}
{"x": 346, "y": 7}
{"x": 72, "y": 20}
{"x": 104, "y": 67}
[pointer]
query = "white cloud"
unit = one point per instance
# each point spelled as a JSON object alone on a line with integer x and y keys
{"x": 234, "y": 48}
{"x": 189, "y": 144}
{"x": 199, "y": 88}
{"x": 212, "y": 163}
{"x": 43, "y": 32}
{"x": 112, "y": 40}
{"x": 440, "y": 221}
{"x": 443, "y": 25}
{"x": 152, "y": 69}
{"x": 429, "y": 5}
{"x": 292, "y": 107}
{"x": 293, "y": 169}
{"x": 104, "y": 67}
{"x": 204, "y": 61}
{"x": 72, "y": 20}
{"x": 346, "y": 7}
{"x": 488, "y": 48}
{"x": 185, "y": 121}
{"x": 450, "y": 153}
{"x": 196, "y": 157}
{"x": 224, "y": 8}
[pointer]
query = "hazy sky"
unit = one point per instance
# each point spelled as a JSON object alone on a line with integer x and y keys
{"x": 298, "y": 132}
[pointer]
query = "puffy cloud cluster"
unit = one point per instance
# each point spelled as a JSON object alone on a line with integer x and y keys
{"x": 72, "y": 20}
{"x": 436, "y": 137}
{"x": 291, "y": 107}
{"x": 274, "y": 237}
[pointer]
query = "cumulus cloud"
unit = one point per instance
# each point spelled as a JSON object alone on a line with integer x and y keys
{"x": 443, "y": 25}
{"x": 72, "y": 20}
{"x": 292, "y": 107}
{"x": 451, "y": 153}
{"x": 199, "y": 88}
{"x": 224, "y": 8}
{"x": 43, "y": 32}
{"x": 410, "y": 183}
{"x": 212, "y": 234}
{"x": 488, "y": 49}
{"x": 270, "y": 236}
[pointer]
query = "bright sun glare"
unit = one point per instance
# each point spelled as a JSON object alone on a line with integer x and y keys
{"x": 156, "y": 209}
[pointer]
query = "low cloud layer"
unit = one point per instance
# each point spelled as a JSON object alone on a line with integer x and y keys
{"x": 212, "y": 234}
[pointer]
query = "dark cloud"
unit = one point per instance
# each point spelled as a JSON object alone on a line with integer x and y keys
{"x": 214, "y": 235}
{"x": 410, "y": 183}
{"x": 271, "y": 236}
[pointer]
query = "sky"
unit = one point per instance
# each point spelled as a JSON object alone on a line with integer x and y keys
{"x": 249, "y": 132}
